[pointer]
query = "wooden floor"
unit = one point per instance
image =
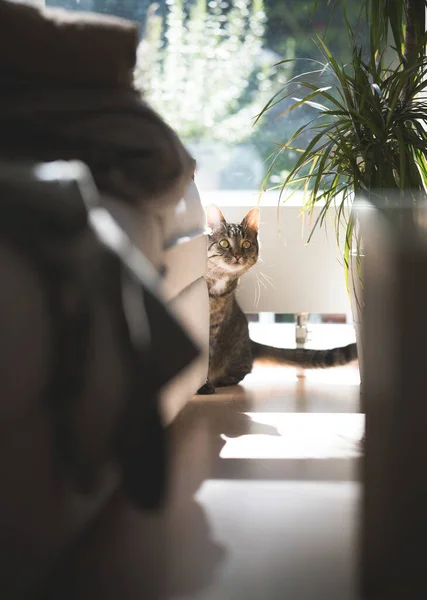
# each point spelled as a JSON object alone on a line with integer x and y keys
{"x": 263, "y": 501}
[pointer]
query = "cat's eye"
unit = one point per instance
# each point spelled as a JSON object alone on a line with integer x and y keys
{"x": 246, "y": 244}
{"x": 224, "y": 243}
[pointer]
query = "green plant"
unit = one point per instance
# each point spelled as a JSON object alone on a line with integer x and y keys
{"x": 203, "y": 67}
{"x": 368, "y": 130}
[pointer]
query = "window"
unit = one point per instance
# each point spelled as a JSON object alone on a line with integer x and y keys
{"x": 208, "y": 67}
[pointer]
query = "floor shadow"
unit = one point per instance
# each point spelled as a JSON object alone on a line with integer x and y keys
{"x": 132, "y": 555}
{"x": 129, "y": 554}
{"x": 291, "y": 395}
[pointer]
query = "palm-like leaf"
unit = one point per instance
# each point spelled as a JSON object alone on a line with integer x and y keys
{"x": 370, "y": 129}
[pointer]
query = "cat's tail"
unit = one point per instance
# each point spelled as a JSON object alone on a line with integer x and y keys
{"x": 303, "y": 357}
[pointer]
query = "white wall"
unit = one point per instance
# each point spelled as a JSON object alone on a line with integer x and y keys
{"x": 303, "y": 277}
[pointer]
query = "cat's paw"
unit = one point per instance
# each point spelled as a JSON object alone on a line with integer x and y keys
{"x": 207, "y": 388}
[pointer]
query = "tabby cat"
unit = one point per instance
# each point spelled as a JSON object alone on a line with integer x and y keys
{"x": 232, "y": 250}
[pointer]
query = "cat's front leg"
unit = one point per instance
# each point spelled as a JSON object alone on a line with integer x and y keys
{"x": 207, "y": 388}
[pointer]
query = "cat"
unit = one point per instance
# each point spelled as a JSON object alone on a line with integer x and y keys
{"x": 233, "y": 249}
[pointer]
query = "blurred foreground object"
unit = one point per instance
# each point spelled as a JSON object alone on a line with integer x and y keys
{"x": 66, "y": 81}
{"x": 82, "y": 362}
{"x": 105, "y": 314}
{"x": 394, "y": 524}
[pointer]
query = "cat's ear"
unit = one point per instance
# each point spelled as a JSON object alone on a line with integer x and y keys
{"x": 214, "y": 216}
{"x": 251, "y": 220}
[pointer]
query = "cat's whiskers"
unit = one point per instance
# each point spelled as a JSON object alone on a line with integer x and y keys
{"x": 264, "y": 281}
{"x": 260, "y": 281}
{"x": 267, "y": 279}
{"x": 232, "y": 352}
{"x": 257, "y": 294}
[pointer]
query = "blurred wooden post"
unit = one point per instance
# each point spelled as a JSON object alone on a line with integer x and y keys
{"x": 394, "y": 510}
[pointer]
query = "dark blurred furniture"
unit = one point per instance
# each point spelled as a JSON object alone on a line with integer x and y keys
{"x": 67, "y": 93}
{"x": 394, "y": 522}
{"x": 82, "y": 364}
{"x": 104, "y": 312}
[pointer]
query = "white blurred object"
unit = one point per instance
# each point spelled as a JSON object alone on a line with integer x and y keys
{"x": 173, "y": 238}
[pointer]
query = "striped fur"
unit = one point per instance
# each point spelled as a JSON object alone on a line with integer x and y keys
{"x": 231, "y": 351}
{"x": 310, "y": 359}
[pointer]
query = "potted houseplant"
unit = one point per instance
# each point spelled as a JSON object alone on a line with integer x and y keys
{"x": 368, "y": 132}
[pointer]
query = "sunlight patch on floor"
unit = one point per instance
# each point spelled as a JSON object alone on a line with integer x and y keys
{"x": 300, "y": 436}
{"x": 262, "y": 374}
